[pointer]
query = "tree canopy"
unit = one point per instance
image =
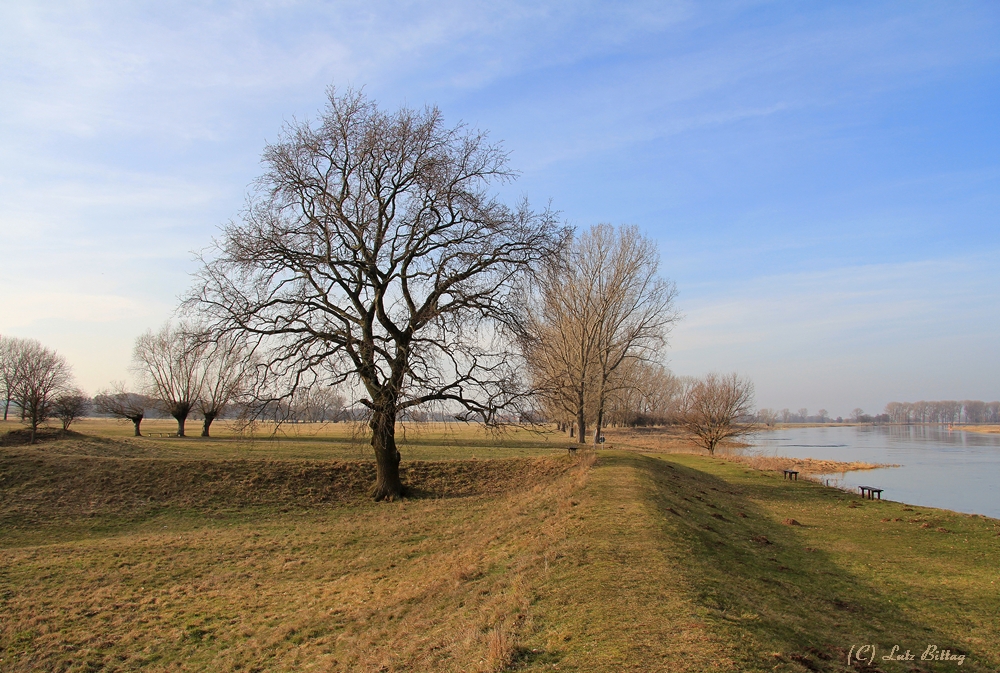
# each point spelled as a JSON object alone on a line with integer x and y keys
{"x": 372, "y": 253}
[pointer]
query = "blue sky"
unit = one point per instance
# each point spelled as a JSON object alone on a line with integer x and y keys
{"x": 822, "y": 179}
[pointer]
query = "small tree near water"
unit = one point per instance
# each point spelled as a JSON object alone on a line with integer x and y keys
{"x": 717, "y": 408}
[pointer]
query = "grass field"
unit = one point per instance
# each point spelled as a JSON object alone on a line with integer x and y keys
{"x": 159, "y": 554}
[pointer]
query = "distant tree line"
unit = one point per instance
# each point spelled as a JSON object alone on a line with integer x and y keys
{"x": 944, "y": 411}
{"x": 185, "y": 373}
{"x": 769, "y": 417}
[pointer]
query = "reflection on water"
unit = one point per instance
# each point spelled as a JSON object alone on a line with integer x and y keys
{"x": 940, "y": 468}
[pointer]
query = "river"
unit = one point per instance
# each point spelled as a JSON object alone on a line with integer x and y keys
{"x": 938, "y": 468}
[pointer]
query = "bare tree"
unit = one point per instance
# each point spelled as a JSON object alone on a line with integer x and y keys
{"x": 647, "y": 394}
{"x": 170, "y": 362}
{"x": 120, "y": 403}
{"x": 717, "y": 408}
{"x": 559, "y": 352}
{"x": 69, "y": 406}
{"x": 320, "y": 404}
{"x": 226, "y": 367}
{"x": 12, "y": 352}
{"x": 42, "y": 375}
{"x": 635, "y": 307}
{"x": 767, "y": 417}
{"x": 372, "y": 253}
{"x": 601, "y": 305}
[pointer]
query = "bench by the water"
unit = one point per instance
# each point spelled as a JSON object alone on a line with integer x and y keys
{"x": 790, "y": 474}
{"x": 870, "y": 493}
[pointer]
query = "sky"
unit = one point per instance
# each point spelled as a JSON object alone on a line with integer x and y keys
{"x": 822, "y": 179}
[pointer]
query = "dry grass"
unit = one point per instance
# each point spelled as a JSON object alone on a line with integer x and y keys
{"x": 313, "y": 441}
{"x": 501, "y": 647}
{"x": 654, "y": 440}
{"x": 983, "y": 429}
{"x": 797, "y": 597}
{"x": 616, "y": 562}
{"x": 675, "y": 440}
{"x": 423, "y": 584}
{"x": 803, "y": 465}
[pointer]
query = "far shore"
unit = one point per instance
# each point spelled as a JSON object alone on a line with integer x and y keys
{"x": 964, "y": 427}
{"x": 983, "y": 429}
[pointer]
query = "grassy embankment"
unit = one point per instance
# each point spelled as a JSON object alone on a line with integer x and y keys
{"x": 166, "y": 554}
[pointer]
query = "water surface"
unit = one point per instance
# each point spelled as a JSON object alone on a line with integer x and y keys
{"x": 939, "y": 468}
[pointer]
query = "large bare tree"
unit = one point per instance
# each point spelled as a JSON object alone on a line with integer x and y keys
{"x": 170, "y": 362}
{"x": 371, "y": 252}
{"x": 600, "y": 305}
{"x": 717, "y": 408}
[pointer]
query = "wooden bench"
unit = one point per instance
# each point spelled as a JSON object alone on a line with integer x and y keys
{"x": 790, "y": 474}
{"x": 870, "y": 493}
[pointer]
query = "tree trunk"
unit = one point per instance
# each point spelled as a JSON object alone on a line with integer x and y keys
{"x": 6, "y": 408}
{"x": 209, "y": 417}
{"x": 136, "y": 420}
{"x": 387, "y": 483}
{"x": 581, "y": 426}
{"x": 598, "y": 424}
{"x": 599, "y": 421}
{"x": 180, "y": 423}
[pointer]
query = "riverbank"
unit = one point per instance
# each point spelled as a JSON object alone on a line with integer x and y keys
{"x": 675, "y": 440}
{"x": 982, "y": 429}
{"x": 802, "y": 465}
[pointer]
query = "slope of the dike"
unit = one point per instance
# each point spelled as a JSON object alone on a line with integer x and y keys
{"x": 61, "y": 480}
{"x": 684, "y": 562}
